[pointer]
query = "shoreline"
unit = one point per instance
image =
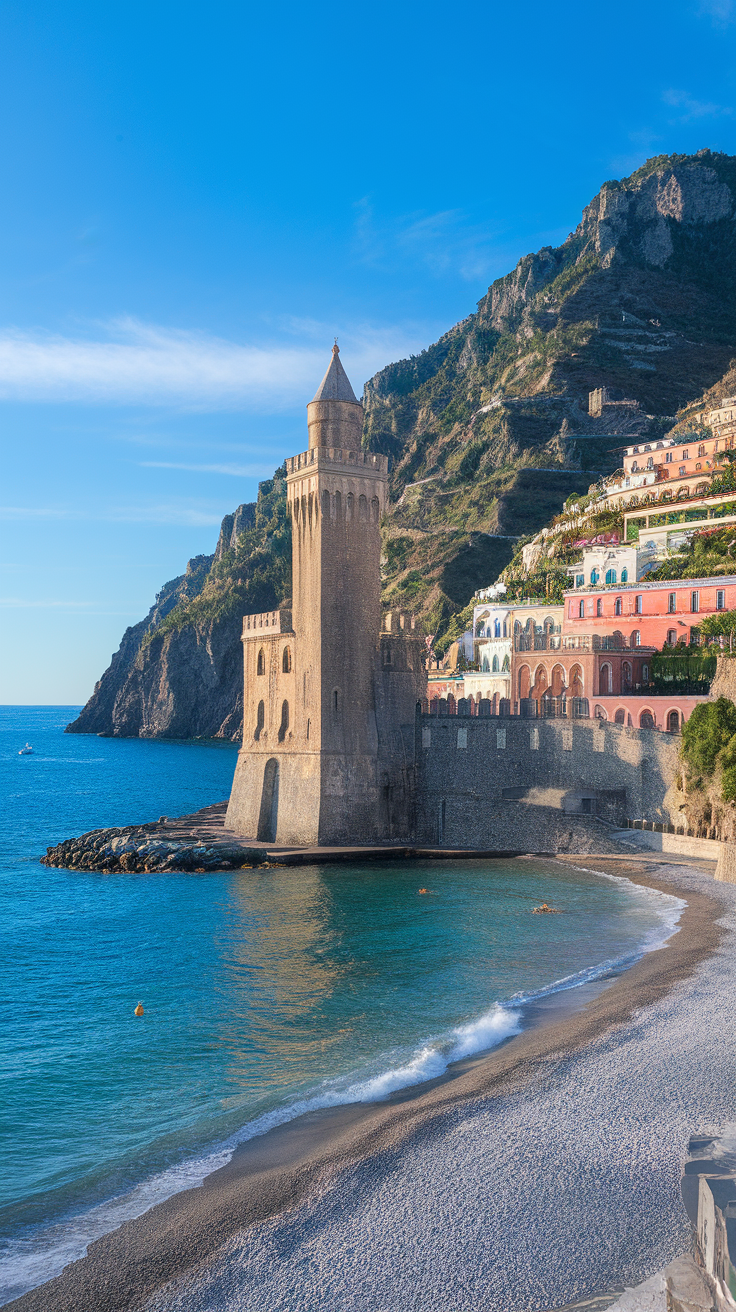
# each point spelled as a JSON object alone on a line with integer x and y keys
{"x": 276, "y": 1172}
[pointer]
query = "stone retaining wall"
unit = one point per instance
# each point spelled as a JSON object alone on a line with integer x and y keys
{"x": 483, "y": 781}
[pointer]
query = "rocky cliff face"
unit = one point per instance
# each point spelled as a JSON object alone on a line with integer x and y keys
{"x": 489, "y": 429}
{"x": 488, "y": 432}
{"x": 178, "y": 674}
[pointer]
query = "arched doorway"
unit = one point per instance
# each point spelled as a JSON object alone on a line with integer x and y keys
{"x": 576, "y": 681}
{"x": 605, "y": 680}
{"x": 268, "y": 818}
{"x": 524, "y": 682}
{"x": 540, "y": 682}
{"x": 673, "y": 722}
{"x": 558, "y": 681}
{"x": 620, "y": 716}
{"x": 646, "y": 720}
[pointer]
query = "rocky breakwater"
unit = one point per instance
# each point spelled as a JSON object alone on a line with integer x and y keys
{"x": 195, "y": 843}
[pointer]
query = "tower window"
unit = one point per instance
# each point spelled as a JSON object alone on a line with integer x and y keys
{"x": 261, "y": 664}
{"x": 387, "y": 653}
{"x": 286, "y": 661}
{"x": 260, "y": 720}
{"x": 284, "y": 721}
{"x": 335, "y": 702}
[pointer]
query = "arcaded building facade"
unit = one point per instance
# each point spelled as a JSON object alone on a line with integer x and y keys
{"x": 330, "y": 689}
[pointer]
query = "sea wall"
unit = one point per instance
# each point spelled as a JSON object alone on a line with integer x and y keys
{"x": 511, "y": 783}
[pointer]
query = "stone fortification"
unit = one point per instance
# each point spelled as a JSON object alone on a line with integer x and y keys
{"x": 325, "y": 693}
{"x": 502, "y": 781}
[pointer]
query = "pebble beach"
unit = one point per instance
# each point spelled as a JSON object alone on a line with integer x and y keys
{"x": 539, "y": 1175}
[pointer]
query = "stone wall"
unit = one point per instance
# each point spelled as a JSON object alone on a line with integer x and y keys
{"x": 515, "y": 784}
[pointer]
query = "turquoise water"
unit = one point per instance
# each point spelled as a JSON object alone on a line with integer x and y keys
{"x": 265, "y": 992}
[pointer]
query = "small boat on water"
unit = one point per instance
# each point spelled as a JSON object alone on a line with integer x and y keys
{"x": 26, "y": 751}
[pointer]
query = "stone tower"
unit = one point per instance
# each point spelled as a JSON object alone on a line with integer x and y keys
{"x": 312, "y": 767}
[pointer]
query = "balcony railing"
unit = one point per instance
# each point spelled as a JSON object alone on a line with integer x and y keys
{"x": 537, "y": 642}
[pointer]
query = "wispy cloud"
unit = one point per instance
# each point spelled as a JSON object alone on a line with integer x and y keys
{"x": 692, "y": 108}
{"x": 721, "y": 12}
{"x": 237, "y": 471}
{"x": 445, "y": 242}
{"x": 176, "y": 514}
{"x": 129, "y": 362}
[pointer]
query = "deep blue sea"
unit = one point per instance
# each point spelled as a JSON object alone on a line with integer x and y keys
{"x": 266, "y": 992}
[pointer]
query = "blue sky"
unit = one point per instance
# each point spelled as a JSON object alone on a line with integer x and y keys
{"x": 197, "y": 198}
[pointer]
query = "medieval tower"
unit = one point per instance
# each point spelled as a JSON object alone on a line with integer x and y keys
{"x": 326, "y": 691}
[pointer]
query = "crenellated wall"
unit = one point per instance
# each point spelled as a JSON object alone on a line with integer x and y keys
{"x": 511, "y": 783}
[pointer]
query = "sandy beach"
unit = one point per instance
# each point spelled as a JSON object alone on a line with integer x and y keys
{"x": 526, "y": 1179}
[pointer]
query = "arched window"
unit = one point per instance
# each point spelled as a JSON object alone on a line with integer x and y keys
{"x": 505, "y": 667}
{"x": 326, "y": 504}
{"x": 362, "y": 508}
{"x": 620, "y": 716}
{"x": 599, "y": 606}
{"x": 581, "y": 610}
{"x": 635, "y": 638}
{"x": 673, "y": 722}
{"x": 617, "y": 607}
{"x": 645, "y": 674}
{"x": 335, "y": 702}
{"x": 387, "y": 653}
{"x": 261, "y": 663}
{"x": 610, "y": 576}
{"x": 260, "y": 720}
{"x": 672, "y": 637}
{"x": 624, "y": 576}
{"x": 605, "y": 680}
{"x": 338, "y": 506}
{"x": 594, "y": 577}
{"x": 497, "y": 629}
{"x": 284, "y": 721}
{"x": 635, "y": 467}
{"x": 599, "y": 713}
{"x": 375, "y": 508}
{"x": 494, "y": 667}
{"x": 286, "y": 661}
{"x": 701, "y": 450}
{"x": 485, "y": 667}
{"x": 646, "y": 720}
{"x": 349, "y": 505}
{"x": 625, "y": 676}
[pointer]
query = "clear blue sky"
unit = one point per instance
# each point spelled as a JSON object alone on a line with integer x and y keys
{"x": 198, "y": 197}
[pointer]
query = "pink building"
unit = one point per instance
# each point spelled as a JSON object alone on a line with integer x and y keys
{"x": 647, "y": 614}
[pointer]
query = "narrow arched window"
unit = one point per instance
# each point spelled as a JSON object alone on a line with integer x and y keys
{"x": 617, "y": 606}
{"x": 284, "y": 721}
{"x": 599, "y": 606}
{"x": 387, "y": 653}
{"x": 624, "y": 576}
{"x": 610, "y": 576}
{"x": 260, "y": 720}
{"x": 581, "y": 610}
{"x": 362, "y": 508}
{"x": 286, "y": 661}
{"x": 375, "y": 509}
{"x": 335, "y": 703}
{"x": 261, "y": 665}
{"x": 495, "y": 664}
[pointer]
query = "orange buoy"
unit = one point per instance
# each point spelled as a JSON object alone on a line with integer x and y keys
{"x": 139, "y": 1009}
{"x": 424, "y": 890}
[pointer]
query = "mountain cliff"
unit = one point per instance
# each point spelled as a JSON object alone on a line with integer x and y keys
{"x": 488, "y": 433}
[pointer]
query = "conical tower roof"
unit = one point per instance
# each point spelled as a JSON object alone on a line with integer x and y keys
{"x": 335, "y": 385}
